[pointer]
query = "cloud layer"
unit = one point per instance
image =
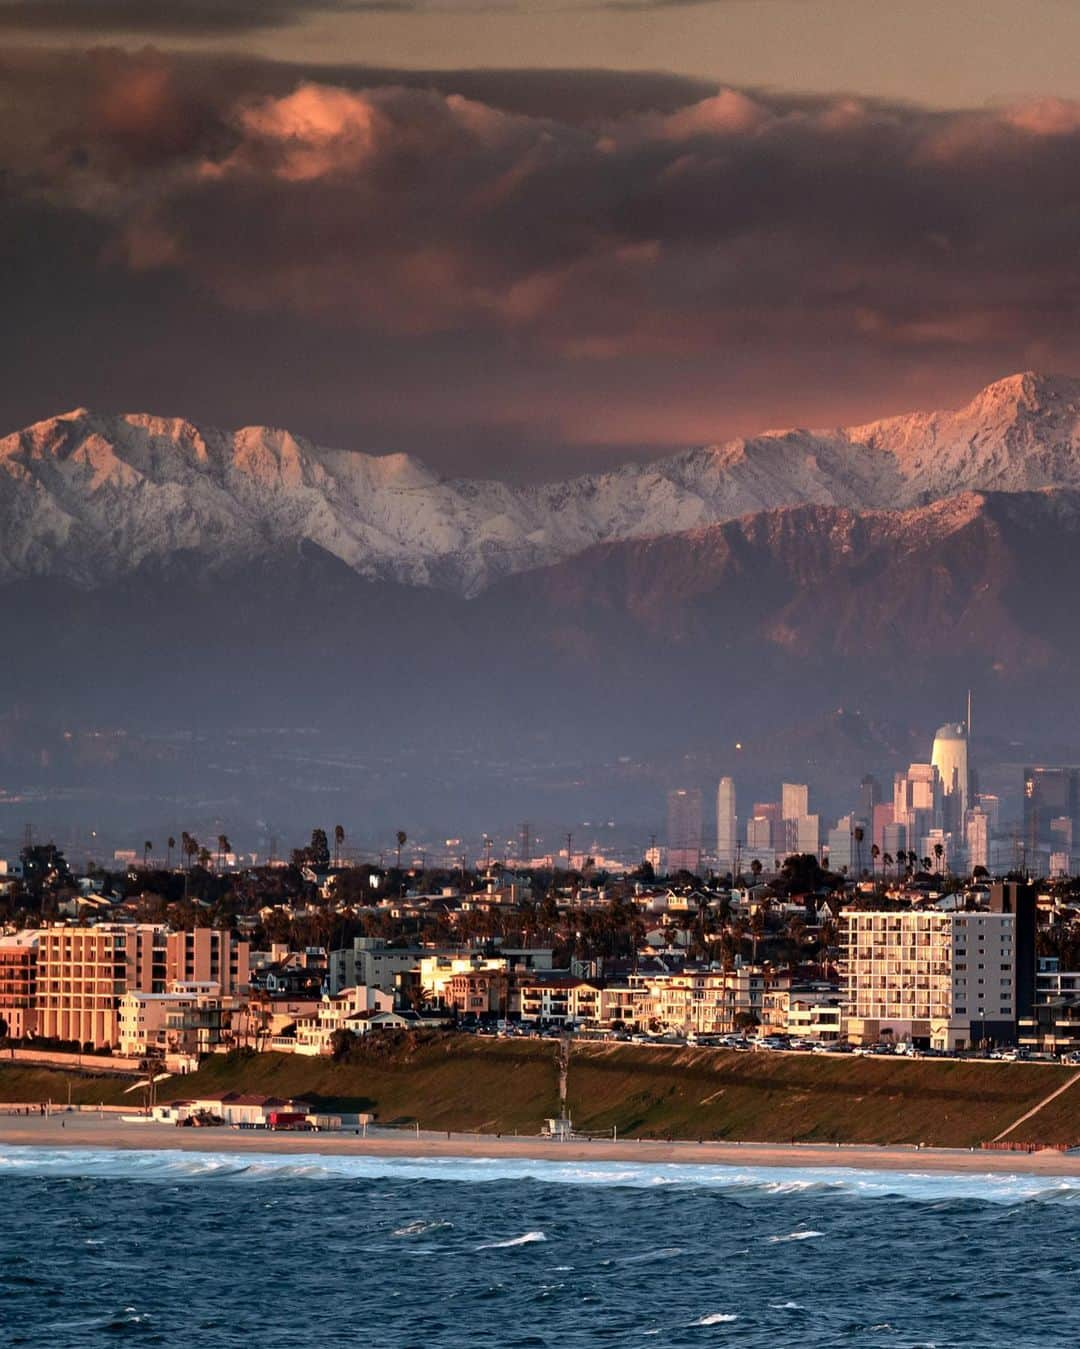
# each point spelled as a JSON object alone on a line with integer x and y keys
{"x": 847, "y": 239}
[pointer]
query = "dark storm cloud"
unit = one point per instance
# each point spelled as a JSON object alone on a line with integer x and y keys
{"x": 738, "y": 216}
{"x": 175, "y": 17}
{"x": 589, "y": 257}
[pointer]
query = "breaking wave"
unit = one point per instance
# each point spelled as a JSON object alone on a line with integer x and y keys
{"x": 268, "y": 1168}
{"x": 527, "y": 1239}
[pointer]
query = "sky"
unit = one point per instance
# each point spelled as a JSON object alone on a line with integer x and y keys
{"x": 524, "y": 239}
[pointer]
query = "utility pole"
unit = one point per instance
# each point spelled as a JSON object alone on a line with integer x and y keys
{"x": 569, "y": 850}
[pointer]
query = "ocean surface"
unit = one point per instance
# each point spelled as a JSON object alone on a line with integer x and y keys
{"x": 209, "y": 1250}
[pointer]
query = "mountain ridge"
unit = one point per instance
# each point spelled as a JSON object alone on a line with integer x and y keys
{"x": 89, "y": 497}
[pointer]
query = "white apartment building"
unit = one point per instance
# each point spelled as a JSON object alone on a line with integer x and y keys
{"x": 346, "y": 1011}
{"x": 946, "y": 978}
{"x": 371, "y": 963}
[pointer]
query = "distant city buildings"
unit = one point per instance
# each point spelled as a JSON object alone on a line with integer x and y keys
{"x": 727, "y": 825}
{"x": 684, "y": 829}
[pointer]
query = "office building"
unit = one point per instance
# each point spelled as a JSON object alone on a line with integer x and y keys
{"x": 978, "y": 838}
{"x": 684, "y": 829}
{"x": 845, "y": 854}
{"x": 794, "y": 800}
{"x": 881, "y": 818}
{"x": 950, "y": 757}
{"x": 1049, "y": 794}
{"x": 727, "y": 825}
{"x": 806, "y": 835}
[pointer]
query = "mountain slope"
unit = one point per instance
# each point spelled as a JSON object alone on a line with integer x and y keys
{"x": 91, "y": 498}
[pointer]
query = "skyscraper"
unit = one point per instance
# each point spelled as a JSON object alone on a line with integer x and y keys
{"x": 950, "y": 757}
{"x": 727, "y": 824}
{"x": 684, "y": 829}
{"x": 978, "y": 838}
{"x": 794, "y": 800}
{"x": 1049, "y": 794}
{"x": 869, "y": 796}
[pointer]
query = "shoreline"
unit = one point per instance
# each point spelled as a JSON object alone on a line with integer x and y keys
{"x": 65, "y": 1131}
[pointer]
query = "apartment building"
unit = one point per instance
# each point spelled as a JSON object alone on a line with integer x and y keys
{"x": 18, "y": 983}
{"x": 559, "y": 999}
{"x": 83, "y": 972}
{"x": 713, "y": 1002}
{"x": 190, "y": 1019}
{"x": 208, "y": 955}
{"x": 372, "y": 963}
{"x": 946, "y": 979}
{"x": 346, "y": 1011}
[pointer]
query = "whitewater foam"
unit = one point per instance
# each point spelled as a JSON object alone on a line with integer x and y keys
{"x": 526, "y": 1239}
{"x": 265, "y": 1168}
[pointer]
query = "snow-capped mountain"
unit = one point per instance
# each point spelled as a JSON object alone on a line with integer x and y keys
{"x": 90, "y": 498}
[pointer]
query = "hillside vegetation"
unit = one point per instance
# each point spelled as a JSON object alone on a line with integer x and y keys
{"x": 499, "y": 1086}
{"x": 686, "y": 1093}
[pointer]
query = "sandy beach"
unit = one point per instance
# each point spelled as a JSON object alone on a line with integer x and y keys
{"x": 90, "y": 1131}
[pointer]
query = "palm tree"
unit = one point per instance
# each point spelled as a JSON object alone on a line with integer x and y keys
{"x": 939, "y": 853}
{"x": 339, "y": 842}
{"x": 402, "y": 839}
{"x": 859, "y": 834}
{"x": 205, "y": 857}
{"x": 886, "y": 863}
{"x": 190, "y": 845}
{"x": 168, "y": 860}
{"x": 875, "y": 853}
{"x": 147, "y": 849}
{"x": 223, "y": 846}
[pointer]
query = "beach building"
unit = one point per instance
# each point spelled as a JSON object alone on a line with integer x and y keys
{"x": 242, "y": 1108}
{"x": 944, "y": 979}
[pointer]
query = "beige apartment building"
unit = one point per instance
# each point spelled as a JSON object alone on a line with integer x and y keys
{"x": 191, "y": 1019}
{"x": 945, "y": 978}
{"x": 716, "y": 1002}
{"x": 208, "y": 955}
{"x": 83, "y": 972}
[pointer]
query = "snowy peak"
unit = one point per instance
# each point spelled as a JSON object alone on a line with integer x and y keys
{"x": 1017, "y": 434}
{"x": 91, "y": 497}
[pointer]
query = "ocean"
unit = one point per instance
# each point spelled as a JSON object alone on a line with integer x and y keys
{"x": 215, "y": 1250}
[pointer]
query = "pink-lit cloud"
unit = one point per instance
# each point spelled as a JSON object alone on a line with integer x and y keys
{"x": 658, "y": 259}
